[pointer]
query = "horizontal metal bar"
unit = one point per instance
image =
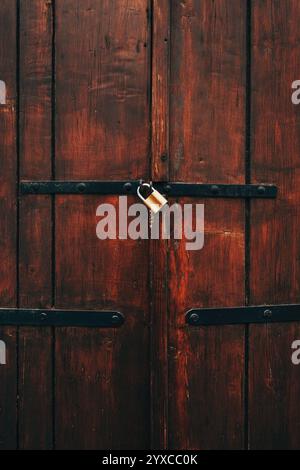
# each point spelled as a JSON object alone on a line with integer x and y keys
{"x": 51, "y": 317}
{"x": 79, "y": 187}
{"x": 219, "y": 190}
{"x": 243, "y": 315}
{"x": 175, "y": 189}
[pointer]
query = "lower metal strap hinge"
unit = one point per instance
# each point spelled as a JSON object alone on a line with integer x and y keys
{"x": 53, "y": 317}
{"x": 243, "y": 315}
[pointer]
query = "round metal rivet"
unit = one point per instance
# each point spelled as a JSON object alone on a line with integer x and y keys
{"x": 164, "y": 157}
{"x": 215, "y": 189}
{"x": 167, "y": 188}
{"x": 194, "y": 318}
{"x": 128, "y": 187}
{"x": 267, "y": 313}
{"x": 115, "y": 319}
{"x": 81, "y": 187}
{"x": 261, "y": 189}
{"x": 35, "y": 187}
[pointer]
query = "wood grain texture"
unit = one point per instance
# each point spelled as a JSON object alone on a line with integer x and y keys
{"x": 35, "y": 245}
{"x": 274, "y": 388}
{"x": 102, "y": 89}
{"x": 102, "y": 130}
{"x": 35, "y": 389}
{"x": 207, "y": 99}
{"x": 275, "y": 269}
{"x": 159, "y": 343}
{"x": 207, "y": 109}
{"x": 206, "y": 365}
{"x": 154, "y": 382}
{"x": 158, "y": 249}
{"x": 8, "y": 222}
{"x": 8, "y": 161}
{"x": 35, "y": 252}
{"x": 8, "y": 391}
{"x": 160, "y": 89}
{"x": 35, "y": 88}
{"x": 102, "y": 376}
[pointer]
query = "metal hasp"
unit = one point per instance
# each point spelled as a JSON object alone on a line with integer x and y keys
{"x": 51, "y": 317}
{"x": 243, "y": 315}
{"x": 175, "y": 189}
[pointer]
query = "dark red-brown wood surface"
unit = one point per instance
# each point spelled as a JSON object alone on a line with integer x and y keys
{"x": 207, "y": 138}
{"x": 35, "y": 253}
{"x": 159, "y": 256}
{"x": 274, "y": 385}
{"x": 160, "y": 89}
{"x": 102, "y": 99}
{"x": 163, "y": 90}
{"x": 8, "y": 220}
{"x": 102, "y": 131}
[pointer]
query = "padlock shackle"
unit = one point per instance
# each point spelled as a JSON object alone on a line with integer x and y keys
{"x": 139, "y": 192}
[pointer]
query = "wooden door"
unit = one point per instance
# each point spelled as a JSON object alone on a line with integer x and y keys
{"x": 169, "y": 91}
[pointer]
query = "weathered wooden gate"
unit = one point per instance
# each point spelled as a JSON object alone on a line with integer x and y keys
{"x": 196, "y": 91}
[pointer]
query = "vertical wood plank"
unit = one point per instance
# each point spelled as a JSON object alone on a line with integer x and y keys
{"x": 103, "y": 130}
{"x": 35, "y": 389}
{"x": 207, "y": 69}
{"x": 35, "y": 88}
{"x": 159, "y": 343}
{"x": 159, "y": 248}
{"x": 160, "y": 89}
{"x": 8, "y": 171}
{"x": 274, "y": 382}
{"x": 35, "y": 266}
{"x": 95, "y": 366}
{"x": 207, "y": 140}
{"x": 8, "y": 391}
{"x": 8, "y": 154}
{"x": 102, "y": 86}
{"x": 206, "y": 365}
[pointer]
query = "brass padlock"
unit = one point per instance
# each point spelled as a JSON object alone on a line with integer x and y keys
{"x": 153, "y": 199}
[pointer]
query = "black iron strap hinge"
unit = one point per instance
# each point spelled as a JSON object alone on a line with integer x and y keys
{"x": 53, "y": 317}
{"x": 243, "y": 315}
{"x": 173, "y": 189}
